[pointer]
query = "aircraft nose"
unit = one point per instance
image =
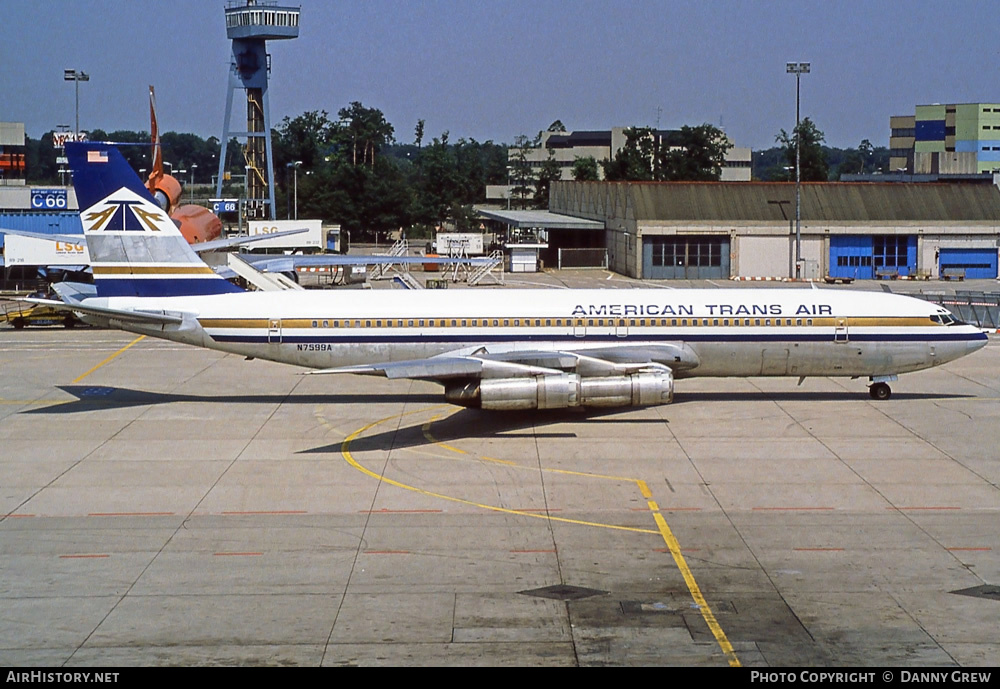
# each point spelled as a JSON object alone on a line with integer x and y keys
{"x": 978, "y": 343}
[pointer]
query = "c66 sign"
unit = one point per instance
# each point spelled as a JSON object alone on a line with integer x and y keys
{"x": 48, "y": 199}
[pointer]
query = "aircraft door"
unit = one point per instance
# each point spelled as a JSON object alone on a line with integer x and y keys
{"x": 579, "y": 327}
{"x": 274, "y": 331}
{"x": 621, "y": 327}
{"x": 840, "y": 333}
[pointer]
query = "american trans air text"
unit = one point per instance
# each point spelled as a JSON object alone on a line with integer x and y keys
{"x": 712, "y": 309}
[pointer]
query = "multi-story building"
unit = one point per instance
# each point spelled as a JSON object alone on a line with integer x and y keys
{"x": 567, "y": 147}
{"x": 955, "y": 139}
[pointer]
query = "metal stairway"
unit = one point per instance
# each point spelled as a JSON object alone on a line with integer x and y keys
{"x": 484, "y": 270}
{"x": 400, "y": 248}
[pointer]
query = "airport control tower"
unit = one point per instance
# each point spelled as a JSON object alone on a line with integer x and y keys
{"x": 249, "y": 25}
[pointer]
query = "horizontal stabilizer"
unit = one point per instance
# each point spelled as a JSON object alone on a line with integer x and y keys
{"x": 127, "y": 316}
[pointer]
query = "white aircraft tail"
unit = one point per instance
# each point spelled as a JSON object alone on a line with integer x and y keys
{"x": 135, "y": 248}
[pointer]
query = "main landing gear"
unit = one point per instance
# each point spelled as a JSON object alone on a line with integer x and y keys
{"x": 878, "y": 388}
{"x": 879, "y": 391}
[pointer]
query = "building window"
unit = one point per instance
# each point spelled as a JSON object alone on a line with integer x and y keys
{"x": 687, "y": 251}
{"x": 889, "y": 251}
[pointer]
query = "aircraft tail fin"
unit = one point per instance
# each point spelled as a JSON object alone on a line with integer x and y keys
{"x": 135, "y": 248}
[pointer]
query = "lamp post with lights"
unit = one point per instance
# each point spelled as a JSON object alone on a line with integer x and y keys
{"x": 76, "y": 76}
{"x": 798, "y": 69}
{"x": 295, "y": 169}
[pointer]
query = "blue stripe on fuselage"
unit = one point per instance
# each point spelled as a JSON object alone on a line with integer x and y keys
{"x": 165, "y": 287}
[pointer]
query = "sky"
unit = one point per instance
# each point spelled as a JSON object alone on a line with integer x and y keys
{"x": 494, "y": 70}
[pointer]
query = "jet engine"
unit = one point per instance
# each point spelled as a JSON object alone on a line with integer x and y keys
{"x": 641, "y": 389}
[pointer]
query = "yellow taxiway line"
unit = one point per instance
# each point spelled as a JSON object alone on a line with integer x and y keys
{"x": 108, "y": 359}
{"x": 663, "y": 529}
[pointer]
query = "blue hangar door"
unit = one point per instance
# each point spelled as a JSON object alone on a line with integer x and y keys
{"x": 685, "y": 257}
{"x": 977, "y": 263}
{"x": 862, "y": 256}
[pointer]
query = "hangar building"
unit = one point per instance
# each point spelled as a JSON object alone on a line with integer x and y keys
{"x": 718, "y": 230}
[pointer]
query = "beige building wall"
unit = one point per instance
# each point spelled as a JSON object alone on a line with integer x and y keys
{"x": 737, "y": 167}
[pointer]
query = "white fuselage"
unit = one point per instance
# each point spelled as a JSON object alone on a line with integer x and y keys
{"x": 725, "y": 332}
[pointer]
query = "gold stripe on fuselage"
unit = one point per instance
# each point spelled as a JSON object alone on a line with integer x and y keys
{"x": 551, "y": 322}
{"x": 152, "y": 270}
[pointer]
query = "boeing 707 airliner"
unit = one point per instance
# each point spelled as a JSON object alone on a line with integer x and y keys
{"x": 503, "y": 349}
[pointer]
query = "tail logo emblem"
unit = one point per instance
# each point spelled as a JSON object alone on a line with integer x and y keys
{"x": 124, "y": 211}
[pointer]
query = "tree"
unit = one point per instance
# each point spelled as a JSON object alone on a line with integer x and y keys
{"x": 307, "y": 138}
{"x": 815, "y": 167}
{"x": 692, "y": 154}
{"x": 418, "y": 134}
{"x": 438, "y": 186}
{"x": 557, "y": 126}
{"x": 585, "y": 169}
{"x": 363, "y": 132}
{"x": 547, "y": 174}
{"x": 40, "y": 160}
{"x": 522, "y": 176}
{"x": 347, "y": 179}
{"x": 688, "y": 154}
{"x": 634, "y": 161}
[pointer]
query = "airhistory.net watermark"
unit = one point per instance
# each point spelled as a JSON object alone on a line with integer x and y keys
{"x": 45, "y": 676}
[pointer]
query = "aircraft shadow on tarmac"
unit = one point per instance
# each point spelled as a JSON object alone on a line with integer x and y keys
{"x": 460, "y": 424}
{"x": 802, "y": 396}
{"x": 466, "y": 424}
{"x": 92, "y": 398}
{"x": 479, "y": 424}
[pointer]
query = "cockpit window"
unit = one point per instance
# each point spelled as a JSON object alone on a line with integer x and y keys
{"x": 946, "y": 319}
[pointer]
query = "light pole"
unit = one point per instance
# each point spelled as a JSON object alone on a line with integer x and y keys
{"x": 193, "y": 166}
{"x": 798, "y": 69}
{"x": 76, "y": 76}
{"x": 295, "y": 169}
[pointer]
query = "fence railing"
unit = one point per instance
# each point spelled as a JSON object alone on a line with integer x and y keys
{"x": 583, "y": 258}
{"x": 978, "y": 308}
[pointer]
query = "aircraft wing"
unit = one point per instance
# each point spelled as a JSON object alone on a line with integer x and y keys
{"x": 128, "y": 316}
{"x": 216, "y": 244}
{"x": 284, "y": 264}
{"x": 605, "y": 361}
{"x": 68, "y": 238}
{"x": 443, "y": 368}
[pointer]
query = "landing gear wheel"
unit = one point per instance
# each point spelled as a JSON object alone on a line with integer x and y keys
{"x": 879, "y": 391}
